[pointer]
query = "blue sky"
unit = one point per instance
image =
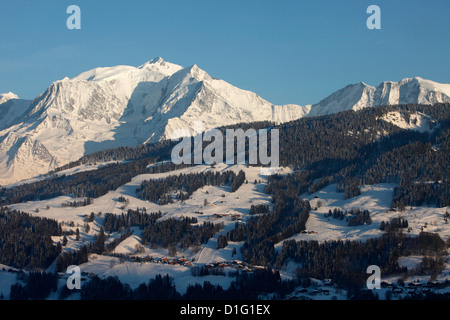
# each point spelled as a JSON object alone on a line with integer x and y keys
{"x": 287, "y": 51}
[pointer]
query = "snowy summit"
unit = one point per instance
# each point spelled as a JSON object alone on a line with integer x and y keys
{"x": 123, "y": 106}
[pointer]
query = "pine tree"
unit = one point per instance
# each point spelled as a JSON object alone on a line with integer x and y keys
{"x": 99, "y": 244}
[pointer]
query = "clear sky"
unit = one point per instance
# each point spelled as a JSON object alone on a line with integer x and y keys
{"x": 287, "y": 51}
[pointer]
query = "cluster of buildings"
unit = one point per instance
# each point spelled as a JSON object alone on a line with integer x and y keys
{"x": 236, "y": 264}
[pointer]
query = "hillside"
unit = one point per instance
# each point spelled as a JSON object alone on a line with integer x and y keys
{"x": 359, "y": 182}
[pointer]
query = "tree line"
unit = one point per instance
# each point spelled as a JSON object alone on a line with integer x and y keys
{"x": 158, "y": 190}
{"x": 25, "y": 241}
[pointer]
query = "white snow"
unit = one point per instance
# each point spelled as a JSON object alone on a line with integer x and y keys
{"x": 225, "y": 207}
{"x": 419, "y": 122}
{"x": 361, "y": 95}
{"x": 222, "y": 207}
{"x": 375, "y": 198}
{"x": 123, "y": 106}
{"x": 11, "y": 109}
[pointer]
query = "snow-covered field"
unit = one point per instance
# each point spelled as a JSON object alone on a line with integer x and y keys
{"x": 219, "y": 205}
{"x": 419, "y": 122}
{"x": 222, "y": 207}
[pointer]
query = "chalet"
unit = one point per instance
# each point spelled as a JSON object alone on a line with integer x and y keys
{"x": 327, "y": 282}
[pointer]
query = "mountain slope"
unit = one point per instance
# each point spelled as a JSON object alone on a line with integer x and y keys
{"x": 11, "y": 109}
{"x": 126, "y": 106}
{"x": 123, "y": 106}
{"x": 407, "y": 91}
{"x": 370, "y": 153}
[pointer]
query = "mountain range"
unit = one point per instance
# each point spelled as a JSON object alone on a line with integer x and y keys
{"x": 127, "y": 106}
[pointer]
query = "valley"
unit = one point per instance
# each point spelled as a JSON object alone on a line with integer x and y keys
{"x": 361, "y": 180}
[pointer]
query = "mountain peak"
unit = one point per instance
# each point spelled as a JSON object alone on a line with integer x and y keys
{"x": 7, "y": 96}
{"x": 360, "y": 95}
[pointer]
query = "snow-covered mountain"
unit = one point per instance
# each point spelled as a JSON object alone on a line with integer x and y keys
{"x": 7, "y": 96}
{"x": 126, "y": 106}
{"x": 120, "y": 106}
{"x": 361, "y": 95}
{"x": 11, "y": 109}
